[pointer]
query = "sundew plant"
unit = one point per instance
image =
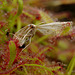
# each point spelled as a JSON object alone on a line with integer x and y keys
{"x": 35, "y": 39}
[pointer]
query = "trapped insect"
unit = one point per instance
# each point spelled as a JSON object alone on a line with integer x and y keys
{"x": 25, "y": 34}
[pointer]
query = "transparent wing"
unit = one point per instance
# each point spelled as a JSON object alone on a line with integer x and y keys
{"x": 24, "y": 35}
{"x": 21, "y": 33}
{"x": 57, "y": 24}
{"x": 53, "y": 28}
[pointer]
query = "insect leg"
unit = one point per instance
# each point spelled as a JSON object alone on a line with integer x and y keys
{"x": 27, "y": 34}
{"x": 17, "y": 37}
{"x": 24, "y": 31}
{"x": 26, "y": 46}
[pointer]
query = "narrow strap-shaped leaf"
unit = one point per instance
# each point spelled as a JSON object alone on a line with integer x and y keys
{"x": 12, "y": 49}
{"x": 45, "y": 17}
{"x": 20, "y": 8}
{"x": 41, "y": 67}
{"x": 70, "y": 66}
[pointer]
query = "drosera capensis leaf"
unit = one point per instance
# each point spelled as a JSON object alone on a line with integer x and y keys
{"x": 14, "y": 1}
{"x": 20, "y": 72}
{"x": 20, "y": 8}
{"x": 12, "y": 49}
{"x": 26, "y": 13}
{"x": 45, "y": 17}
{"x": 42, "y": 38}
{"x": 43, "y": 51}
{"x": 1, "y": 33}
{"x": 25, "y": 70}
{"x": 70, "y": 66}
{"x": 40, "y": 66}
{"x": 55, "y": 68}
{"x": 34, "y": 48}
{"x": 67, "y": 29}
{"x": 33, "y": 59}
{"x": 18, "y": 23}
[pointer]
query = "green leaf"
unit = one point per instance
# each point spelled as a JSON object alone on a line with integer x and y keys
{"x": 45, "y": 17}
{"x": 20, "y": 72}
{"x": 25, "y": 70}
{"x": 70, "y": 66}
{"x": 18, "y": 24}
{"x": 12, "y": 49}
{"x": 63, "y": 45}
{"x": 14, "y": 1}
{"x": 42, "y": 38}
{"x": 36, "y": 65}
{"x": 26, "y": 13}
{"x": 20, "y": 8}
{"x": 65, "y": 31}
{"x": 1, "y": 33}
{"x": 43, "y": 51}
{"x": 56, "y": 68}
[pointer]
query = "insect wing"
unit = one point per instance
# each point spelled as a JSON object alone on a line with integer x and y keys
{"x": 21, "y": 35}
{"x": 53, "y": 28}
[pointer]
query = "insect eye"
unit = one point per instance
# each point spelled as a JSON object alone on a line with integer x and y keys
{"x": 23, "y": 46}
{"x": 31, "y": 26}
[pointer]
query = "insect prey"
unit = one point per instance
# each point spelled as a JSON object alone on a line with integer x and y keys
{"x": 25, "y": 34}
